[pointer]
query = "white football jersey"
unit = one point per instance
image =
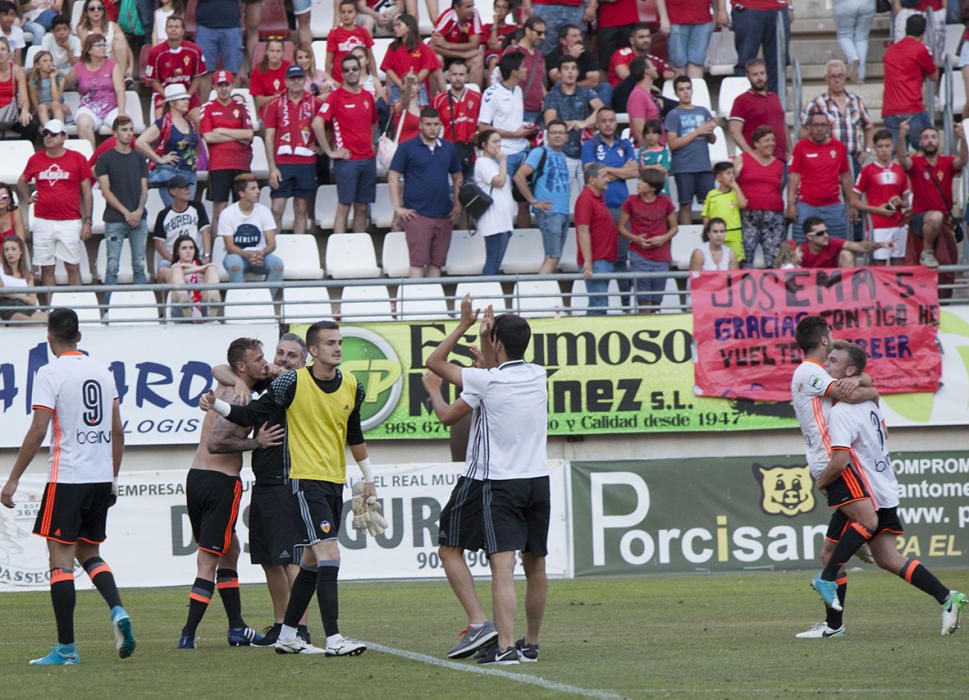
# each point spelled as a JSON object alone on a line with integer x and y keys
{"x": 509, "y": 425}
{"x": 809, "y": 390}
{"x": 80, "y": 393}
{"x": 860, "y": 428}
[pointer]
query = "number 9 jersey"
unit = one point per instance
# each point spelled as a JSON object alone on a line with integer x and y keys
{"x": 860, "y": 428}
{"x": 80, "y": 394}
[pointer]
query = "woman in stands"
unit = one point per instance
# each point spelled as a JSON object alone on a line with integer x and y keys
{"x": 95, "y": 21}
{"x": 712, "y": 253}
{"x": 268, "y": 79}
{"x": 491, "y": 175}
{"x": 11, "y": 222}
{"x": 15, "y": 279}
{"x": 317, "y": 83}
{"x": 100, "y": 81}
{"x": 758, "y": 175}
{"x": 171, "y": 144}
{"x": 408, "y": 54}
{"x": 13, "y": 86}
{"x": 187, "y": 270}
{"x": 408, "y": 109}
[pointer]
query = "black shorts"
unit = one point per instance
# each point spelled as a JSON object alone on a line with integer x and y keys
{"x": 462, "y": 519}
{"x": 516, "y": 515}
{"x": 319, "y": 508}
{"x": 220, "y": 185}
{"x": 847, "y": 488}
{"x": 887, "y": 522}
{"x": 275, "y": 536}
{"x": 70, "y": 513}
{"x": 213, "y": 507}
{"x": 690, "y": 186}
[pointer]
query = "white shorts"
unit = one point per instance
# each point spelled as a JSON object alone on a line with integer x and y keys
{"x": 899, "y": 235}
{"x": 56, "y": 239}
{"x": 98, "y": 121}
{"x": 301, "y": 7}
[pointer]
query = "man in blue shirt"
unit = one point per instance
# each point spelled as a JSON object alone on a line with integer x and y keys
{"x": 425, "y": 210}
{"x": 618, "y": 158}
{"x": 689, "y": 133}
{"x": 576, "y": 106}
{"x": 550, "y": 201}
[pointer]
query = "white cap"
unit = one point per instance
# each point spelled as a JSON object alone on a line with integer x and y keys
{"x": 55, "y": 126}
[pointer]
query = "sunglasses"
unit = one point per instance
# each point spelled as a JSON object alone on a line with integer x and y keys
{"x": 540, "y": 32}
{"x": 817, "y": 234}
{"x": 95, "y": 8}
{"x": 50, "y": 134}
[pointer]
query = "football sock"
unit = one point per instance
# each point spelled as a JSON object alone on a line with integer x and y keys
{"x": 62, "y": 597}
{"x": 835, "y": 618}
{"x": 851, "y": 540}
{"x": 198, "y": 601}
{"x": 327, "y": 595}
{"x": 103, "y": 579}
{"x": 299, "y": 598}
{"x": 913, "y": 572}
{"x": 227, "y": 581}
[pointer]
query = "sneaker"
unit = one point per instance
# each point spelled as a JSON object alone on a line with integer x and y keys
{"x": 473, "y": 639}
{"x": 821, "y": 631}
{"x": 243, "y": 636}
{"x": 269, "y": 637}
{"x": 928, "y": 259}
{"x": 186, "y": 642}
{"x": 297, "y": 646}
{"x": 828, "y": 590}
{"x": 508, "y": 657}
{"x": 58, "y": 657}
{"x": 485, "y": 650}
{"x": 528, "y": 653}
{"x": 303, "y": 632}
{"x": 345, "y": 647}
{"x": 124, "y": 640}
{"x": 951, "y": 608}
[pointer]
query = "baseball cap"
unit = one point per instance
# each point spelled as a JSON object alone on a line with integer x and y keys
{"x": 224, "y": 76}
{"x": 295, "y": 72}
{"x": 178, "y": 181}
{"x": 55, "y": 126}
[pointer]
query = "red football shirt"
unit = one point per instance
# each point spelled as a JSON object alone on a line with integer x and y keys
{"x": 341, "y": 41}
{"x": 294, "y": 137}
{"x": 907, "y": 64}
{"x": 755, "y": 109}
{"x": 170, "y": 66}
{"x": 401, "y": 60}
{"x": 879, "y": 185}
{"x": 690, "y": 11}
{"x": 828, "y": 257}
{"x": 231, "y": 155}
{"x": 351, "y": 117}
{"x": 590, "y": 210}
{"x": 925, "y": 195}
{"x": 451, "y": 29}
{"x": 105, "y": 146}
{"x": 619, "y": 13}
{"x": 820, "y": 167}
{"x": 464, "y": 117}
{"x": 270, "y": 83}
{"x": 650, "y": 219}
{"x": 58, "y": 182}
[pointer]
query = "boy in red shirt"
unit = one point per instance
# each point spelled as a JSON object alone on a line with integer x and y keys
{"x": 885, "y": 187}
{"x": 345, "y": 38}
{"x": 648, "y": 220}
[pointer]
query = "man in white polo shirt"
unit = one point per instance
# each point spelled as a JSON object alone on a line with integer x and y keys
{"x": 506, "y": 452}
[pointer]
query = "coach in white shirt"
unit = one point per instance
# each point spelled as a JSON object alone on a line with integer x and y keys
{"x": 506, "y": 452}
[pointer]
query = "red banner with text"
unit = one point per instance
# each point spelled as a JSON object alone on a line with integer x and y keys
{"x": 744, "y": 321}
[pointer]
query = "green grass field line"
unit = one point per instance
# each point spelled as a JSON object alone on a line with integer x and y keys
{"x": 725, "y": 636}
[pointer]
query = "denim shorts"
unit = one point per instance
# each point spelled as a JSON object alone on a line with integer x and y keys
{"x": 554, "y": 228}
{"x": 221, "y": 43}
{"x": 356, "y": 180}
{"x": 687, "y": 43}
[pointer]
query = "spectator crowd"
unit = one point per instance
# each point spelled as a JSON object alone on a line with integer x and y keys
{"x": 562, "y": 128}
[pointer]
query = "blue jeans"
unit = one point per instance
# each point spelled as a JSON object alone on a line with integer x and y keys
{"x": 114, "y": 236}
{"x": 649, "y": 290}
{"x": 753, "y": 29}
{"x": 598, "y": 288}
{"x": 221, "y": 43}
{"x": 495, "y": 246}
{"x": 920, "y": 121}
{"x": 237, "y": 267}
{"x": 554, "y": 228}
{"x": 833, "y": 215}
{"x": 688, "y": 43}
{"x": 852, "y": 21}
{"x": 557, "y": 16}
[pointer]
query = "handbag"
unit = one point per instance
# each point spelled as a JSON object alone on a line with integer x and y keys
{"x": 474, "y": 200}
{"x": 387, "y": 147}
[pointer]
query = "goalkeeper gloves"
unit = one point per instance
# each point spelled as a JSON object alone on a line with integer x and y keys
{"x": 366, "y": 512}
{"x": 358, "y": 503}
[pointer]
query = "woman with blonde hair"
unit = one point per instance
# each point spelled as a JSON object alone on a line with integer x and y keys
{"x": 14, "y": 98}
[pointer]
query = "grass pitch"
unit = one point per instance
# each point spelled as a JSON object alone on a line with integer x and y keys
{"x": 724, "y": 636}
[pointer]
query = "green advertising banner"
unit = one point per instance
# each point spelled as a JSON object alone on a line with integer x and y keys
{"x": 605, "y": 375}
{"x": 735, "y": 514}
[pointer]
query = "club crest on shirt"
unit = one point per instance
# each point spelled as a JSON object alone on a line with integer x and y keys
{"x": 785, "y": 490}
{"x": 325, "y": 527}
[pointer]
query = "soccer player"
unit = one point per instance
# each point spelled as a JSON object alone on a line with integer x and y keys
{"x": 80, "y": 396}
{"x": 213, "y": 490}
{"x": 322, "y": 415}
{"x": 507, "y": 453}
{"x": 858, "y": 438}
{"x": 812, "y": 392}
{"x": 274, "y": 534}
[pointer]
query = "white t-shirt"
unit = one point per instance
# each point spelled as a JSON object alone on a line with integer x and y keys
{"x": 80, "y": 393}
{"x": 809, "y": 390}
{"x": 247, "y": 231}
{"x": 500, "y": 216}
{"x": 510, "y": 421}
{"x": 15, "y": 38}
{"x": 159, "y": 35}
{"x": 504, "y": 109}
{"x": 60, "y": 55}
{"x": 860, "y": 427}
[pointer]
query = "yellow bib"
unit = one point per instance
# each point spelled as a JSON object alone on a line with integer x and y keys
{"x": 317, "y": 425}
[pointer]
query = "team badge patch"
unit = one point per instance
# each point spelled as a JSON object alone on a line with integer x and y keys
{"x": 325, "y": 527}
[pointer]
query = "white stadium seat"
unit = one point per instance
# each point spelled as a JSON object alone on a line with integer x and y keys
{"x": 84, "y": 303}
{"x": 143, "y": 308}
{"x": 421, "y": 302}
{"x": 325, "y": 209}
{"x": 82, "y": 146}
{"x": 260, "y": 165}
{"x": 731, "y": 88}
{"x": 382, "y": 210}
{"x": 579, "y": 297}
{"x": 525, "y": 253}
{"x": 687, "y": 239}
{"x": 395, "y": 258}
{"x": 466, "y": 256}
{"x": 14, "y": 155}
{"x": 249, "y": 306}
{"x": 300, "y": 256}
{"x": 536, "y": 298}
{"x": 365, "y": 304}
{"x": 351, "y": 255}
{"x": 718, "y": 149}
{"x": 569, "y": 262}
{"x": 60, "y": 272}
{"x": 321, "y": 20}
{"x": 482, "y": 294}
{"x": 306, "y": 304}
